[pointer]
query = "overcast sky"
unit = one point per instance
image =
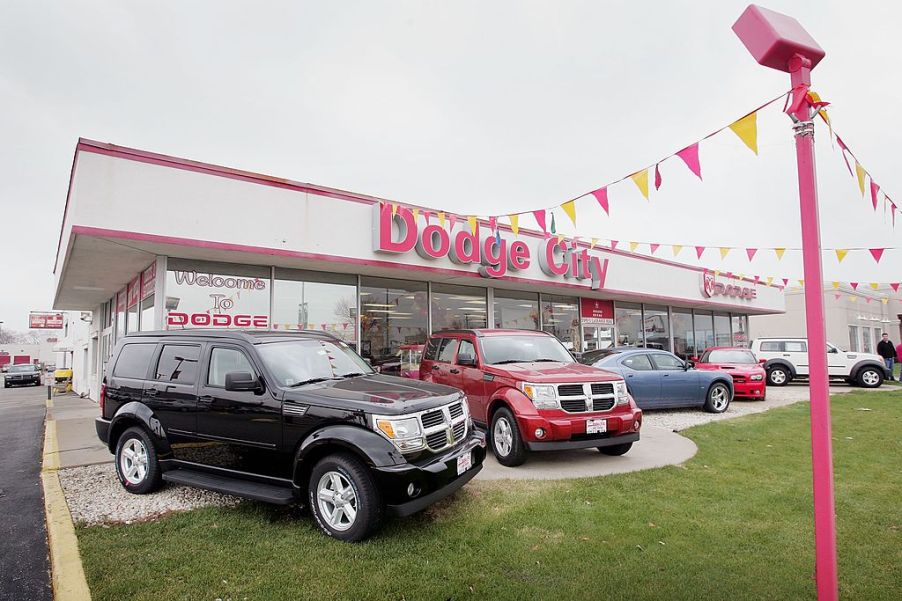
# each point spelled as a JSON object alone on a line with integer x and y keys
{"x": 469, "y": 106}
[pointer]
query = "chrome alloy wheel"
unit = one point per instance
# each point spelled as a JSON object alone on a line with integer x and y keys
{"x": 503, "y": 437}
{"x": 337, "y": 500}
{"x": 870, "y": 378}
{"x": 777, "y": 376}
{"x": 719, "y": 398}
{"x": 133, "y": 461}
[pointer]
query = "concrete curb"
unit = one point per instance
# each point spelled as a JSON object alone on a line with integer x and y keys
{"x": 67, "y": 573}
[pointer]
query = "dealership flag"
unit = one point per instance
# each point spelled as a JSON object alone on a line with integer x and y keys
{"x": 779, "y": 252}
{"x": 540, "y": 219}
{"x": 747, "y": 130}
{"x": 751, "y": 252}
{"x": 785, "y": 282}
{"x": 690, "y": 157}
{"x": 515, "y": 223}
{"x": 594, "y": 242}
{"x": 894, "y": 286}
{"x": 474, "y": 225}
{"x": 654, "y": 247}
{"x": 441, "y": 218}
{"x": 854, "y": 285}
{"x": 841, "y": 254}
{"x": 770, "y": 280}
{"x": 570, "y": 208}
{"x": 874, "y": 285}
{"x": 601, "y": 195}
{"x": 394, "y": 209}
{"x": 844, "y": 149}
{"x": 836, "y": 285}
{"x": 633, "y": 246}
{"x": 657, "y": 177}
{"x": 860, "y": 172}
{"x": 724, "y": 251}
{"x": 699, "y": 250}
{"x": 837, "y": 295}
{"x": 877, "y": 253}
{"x": 640, "y": 178}
{"x": 676, "y": 249}
{"x": 613, "y": 245}
{"x": 874, "y": 189}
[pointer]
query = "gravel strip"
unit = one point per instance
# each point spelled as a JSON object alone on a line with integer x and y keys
{"x": 95, "y": 497}
{"x": 680, "y": 419}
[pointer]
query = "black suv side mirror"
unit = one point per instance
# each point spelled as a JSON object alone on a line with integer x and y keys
{"x": 241, "y": 380}
{"x": 466, "y": 360}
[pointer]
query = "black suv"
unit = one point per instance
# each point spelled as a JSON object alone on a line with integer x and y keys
{"x": 284, "y": 417}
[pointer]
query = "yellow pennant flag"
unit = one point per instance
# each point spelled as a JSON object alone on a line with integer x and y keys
{"x": 884, "y": 301}
{"x": 633, "y": 246}
{"x": 716, "y": 273}
{"x": 853, "y": 298}
{"x": 570, "y": 208}
{"x": 724, "y": 251}
{"x": 841, "y": 254}
{"x": 860, "y": 173}
{"x": 594, "y": 242}
{"x": 874, "y": 285}
{"x": 560, "y": 237}
{"x": 801, "y": 283}
{"x": 676, "y": 249}
{"x": 770, "y": 280}
{"x": 441, "y": 218}
{"x": 394, "y": 209}
{"x": 779, "y": 252}
{"x": 747, "y": 130}
{"x": 640, "y": 178}
{"x": 474, "y": 225}
{"x": 836, "y": 285}
{"x": 515, "y": 223}
{"x": 416, "y": 214}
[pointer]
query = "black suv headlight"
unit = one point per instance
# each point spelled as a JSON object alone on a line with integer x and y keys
{"x": 404, "y": 432}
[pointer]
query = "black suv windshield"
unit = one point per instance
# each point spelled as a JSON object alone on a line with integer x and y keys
{"x": 497, "y": 350}
{"x": 297, "y": 362}
{"x": 730, "y": 356}
{"x": 19, "y": 369}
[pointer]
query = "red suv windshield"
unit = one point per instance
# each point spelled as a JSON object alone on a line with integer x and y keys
{"x": 497, "y": 350}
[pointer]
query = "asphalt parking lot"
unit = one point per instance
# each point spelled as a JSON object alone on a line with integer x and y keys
{"x": 24, "y": 567}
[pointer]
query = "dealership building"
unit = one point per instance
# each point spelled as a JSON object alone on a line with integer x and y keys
{"x": 153, "y": 242}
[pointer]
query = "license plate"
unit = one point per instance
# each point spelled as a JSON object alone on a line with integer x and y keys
{"x": 464, "y": 462}
{"x": 596, "y": 426}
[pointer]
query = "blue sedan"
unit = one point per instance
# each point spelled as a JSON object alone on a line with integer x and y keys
{"x": 661, "y": 380}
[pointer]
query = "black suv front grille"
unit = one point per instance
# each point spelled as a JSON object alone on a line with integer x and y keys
{"x": 570, "y": 390}
{"x": 456, "y": 410}
{"x": 437, "y": 440}
{"x": 573, "y": 405}
{"x": 459, "y": 430}
{"x": 602, "y": 388}
{"x": 433, "y": 418}
{"x": 602, "y": 404}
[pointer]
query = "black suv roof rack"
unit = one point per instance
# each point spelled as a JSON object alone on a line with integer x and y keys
{"x": 251, "y": 336}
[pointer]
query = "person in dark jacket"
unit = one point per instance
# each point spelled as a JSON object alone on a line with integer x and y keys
{"x": 887, "y": 350}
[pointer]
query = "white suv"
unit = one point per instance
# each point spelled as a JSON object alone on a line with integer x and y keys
{"x": 786, "y": 359}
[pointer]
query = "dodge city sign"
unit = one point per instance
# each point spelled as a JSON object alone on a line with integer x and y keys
{"x": 711, "y": 288}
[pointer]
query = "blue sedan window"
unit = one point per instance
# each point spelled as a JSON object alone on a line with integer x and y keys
{"x": 638, "y": 362}
{"x": 668, "y": 362}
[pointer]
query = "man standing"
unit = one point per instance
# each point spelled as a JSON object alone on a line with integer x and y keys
{"x": 887, "y": 350}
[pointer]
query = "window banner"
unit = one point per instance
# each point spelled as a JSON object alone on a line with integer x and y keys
{"x": 212, "y": 300}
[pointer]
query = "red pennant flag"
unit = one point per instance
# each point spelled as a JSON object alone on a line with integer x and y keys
{"x": 844, "y": 149}
{"x": 601, "y": 195}
{"x": 426, "y": 216}
{"x": 452, "y": 219}
{"x": 874, "y": 189}
{"x": 540, "y": 219}
{"x": 757, "y": 278}
{"x": 699, "y": 250}
{"x": 751, "y": 252}
{"x": 877, "y": 253}
{"x": 690, "y": 157}
{"x": 894, "y": 286}
{"x": 613, "y": 245}
{"x": 837, "y": 295}
{"x": 786, "y": 281}
{"x": 867, "y": 300}
{"x": 854, "y": 285}
{"x": 493, "y": 223}
{"x": 657, "y": 177}
{"x": 654, "y": 247}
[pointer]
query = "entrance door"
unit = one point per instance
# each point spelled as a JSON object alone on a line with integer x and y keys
{"x": 597, "y": 337}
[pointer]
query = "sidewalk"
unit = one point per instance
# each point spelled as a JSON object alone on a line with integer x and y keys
{"x": 78, "y": 442}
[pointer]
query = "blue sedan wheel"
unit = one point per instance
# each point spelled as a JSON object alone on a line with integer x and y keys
{"x": 718, "y": 398}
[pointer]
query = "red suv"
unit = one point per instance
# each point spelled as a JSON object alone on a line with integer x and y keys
{"x": 529, "y": 392}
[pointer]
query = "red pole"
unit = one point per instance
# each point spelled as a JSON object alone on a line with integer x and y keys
{"x": 821, "y": 445}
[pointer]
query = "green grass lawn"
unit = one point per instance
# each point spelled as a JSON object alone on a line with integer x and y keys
{"x": 735, "y": 522}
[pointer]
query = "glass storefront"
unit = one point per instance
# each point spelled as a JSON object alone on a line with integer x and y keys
{"x": 456, "y": 307}
{"x": 221, "y": 295}
{"x": 516, "y": 310}
{"x": 628, "y": 319}
{"x": 560, "y": 317}
{"x": 704, "y": 331}
{"x": 310, "y": 300}
{"x": 740, "y": 330}
{"x": 683, "y": 334}
{"x": 657, "y": 327}
{"x": 392, "y": 313}
{"x": 148, "y": 314}
{"x": 722, "y": 330}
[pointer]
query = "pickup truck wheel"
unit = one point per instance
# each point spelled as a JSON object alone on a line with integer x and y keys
{"x": 778, "y": 376}
{"x": 617, "y": 449}
{"x": 344, "y": 498}
{"x": 870, "y": 377}
{"x": 507, "y": 444}
{"x": 136, "y": 462}
{"x": 718, "y": 398}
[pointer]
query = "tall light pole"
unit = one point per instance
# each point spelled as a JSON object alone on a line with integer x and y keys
{"x": 780, "y": 42}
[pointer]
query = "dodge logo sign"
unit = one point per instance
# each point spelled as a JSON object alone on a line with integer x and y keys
{"x": 711, "y": 287}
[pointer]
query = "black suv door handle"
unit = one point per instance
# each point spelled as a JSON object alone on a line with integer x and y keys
{"x": 455, "y": 371}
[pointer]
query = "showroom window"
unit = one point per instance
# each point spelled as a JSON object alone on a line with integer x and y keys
{"x": 560, "y": 317}
{"x": 628, "y": 317}
{"x": 392, "y": 313}
{"x": 683, "y": 334}
{"x": 740, "y": 330}
{"x": 866, "y": 340}
{"x": 722, "y": 330}
{"x": 314, "y": 300}
{"x": 216, "y": 295}
{"x": 704, "y": 331}
{"x": 148, "y": 314}
{"x": 853, "y": 339}
{"x": 456, "y": 307}
{"x": 657, "y": 327}
{"x": 516, "y": 310}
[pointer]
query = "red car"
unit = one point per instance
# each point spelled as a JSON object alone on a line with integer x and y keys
{"x": 526, "y": 389}
{"x": 747, "y": 373}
